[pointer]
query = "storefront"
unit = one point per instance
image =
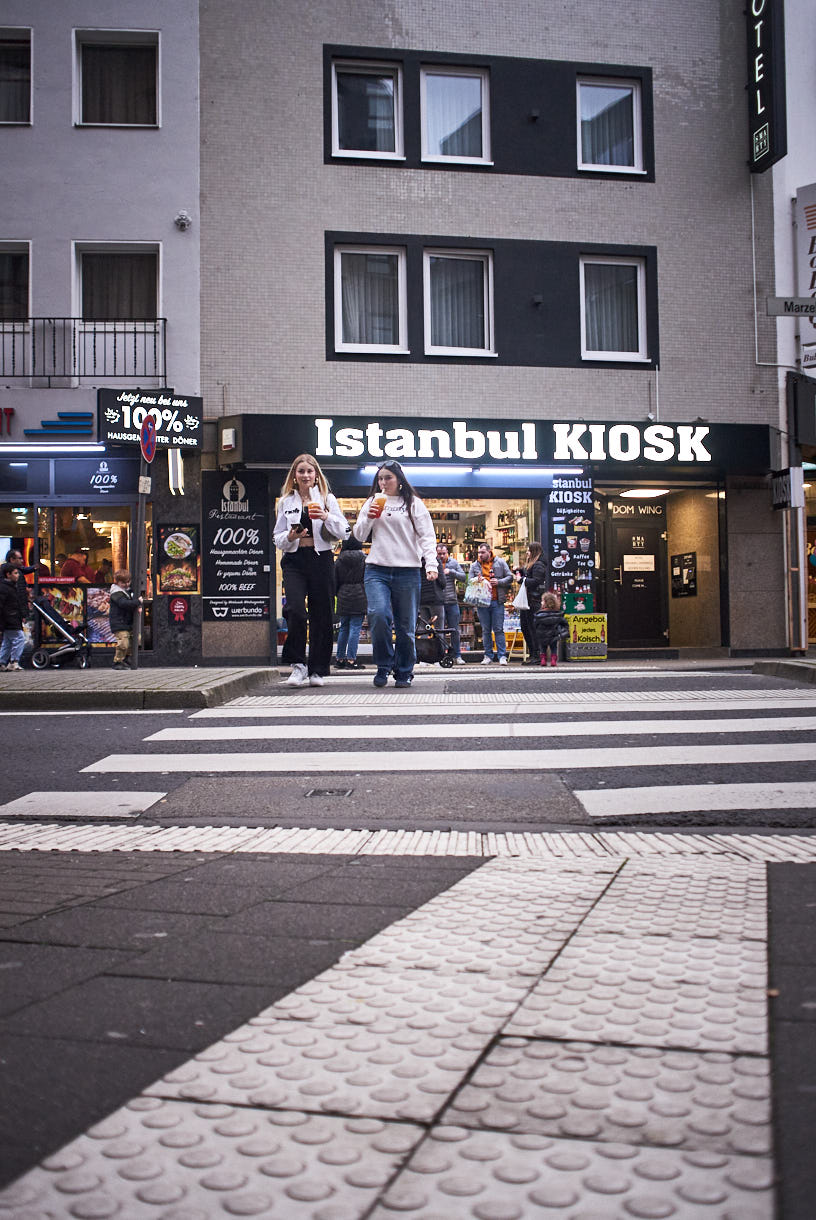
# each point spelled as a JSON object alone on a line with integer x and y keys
{"x": 633, "y": 517}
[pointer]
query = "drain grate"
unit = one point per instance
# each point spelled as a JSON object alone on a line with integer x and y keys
{"x": 330, "y": 792}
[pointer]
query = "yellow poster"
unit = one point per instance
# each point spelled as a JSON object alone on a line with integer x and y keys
{"x": 587, "y": 637}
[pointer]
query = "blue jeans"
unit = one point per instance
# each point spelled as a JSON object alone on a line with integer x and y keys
{"x": 12, "y": 646}
{"x": 450, "y": 621}
{"x": 348, "y": 636}
{"x": 492, "y": 619}
{"x": 393, "y": 599}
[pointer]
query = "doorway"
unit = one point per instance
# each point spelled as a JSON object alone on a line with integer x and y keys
{"x": 636, "y": 583}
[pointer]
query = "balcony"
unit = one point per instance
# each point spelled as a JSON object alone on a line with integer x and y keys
{"x": 62, "y": 352}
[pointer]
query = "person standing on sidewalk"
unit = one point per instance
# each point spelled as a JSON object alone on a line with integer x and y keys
{"x": 551, "y": 626}
{"x": 534, "y": 573}
{"x": 309, "y": 522}
{"x": 11, "y": 618}
{"x": 123, "y": 605}
{"x": 402, "y": 536}
{"x": 349, "y": 573}
{"x": 496, "y": 572}
{"x": 451, "y": 613}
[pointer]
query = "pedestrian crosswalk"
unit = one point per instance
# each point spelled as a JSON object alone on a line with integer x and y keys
{"x": 642, "y": 749}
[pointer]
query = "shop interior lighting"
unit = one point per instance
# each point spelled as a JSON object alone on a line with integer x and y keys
{"x": 644, "y": 493}
{"x": 442, "y": 468}
{"x": 517, "y": 472}
{"x": 24, "y": 465}
{"x": 53, "y": 449}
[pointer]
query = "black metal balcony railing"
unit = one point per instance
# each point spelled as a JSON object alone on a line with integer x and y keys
{"x": 51, "y": 349}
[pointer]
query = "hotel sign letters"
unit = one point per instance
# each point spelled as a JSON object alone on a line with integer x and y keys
{"x": 766, "y": 83}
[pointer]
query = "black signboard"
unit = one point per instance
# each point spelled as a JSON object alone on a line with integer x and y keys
{"x": 178, "y": 417}
{"x": 570, "y": 534}
{"x": 102, "y": 476}
{"x": 235, "y": 545}
{"x": 767, "y": 116}
{"x": 684, "y": 575}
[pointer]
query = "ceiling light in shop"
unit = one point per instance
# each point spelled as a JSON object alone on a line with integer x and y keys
{"x": 644, "y": 493}
{"x": 523, "y": 471}
{"x": 409, "y": 470}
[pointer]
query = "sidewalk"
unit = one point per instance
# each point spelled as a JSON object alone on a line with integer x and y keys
{"x": 384, "y": 1036}
{"x": 97, "y": 689}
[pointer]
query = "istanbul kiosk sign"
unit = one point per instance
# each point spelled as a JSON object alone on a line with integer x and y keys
{"x": 177, "y": 417}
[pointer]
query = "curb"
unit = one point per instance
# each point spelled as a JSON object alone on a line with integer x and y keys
{"x": 134, "y": 700}
{"x": 794, "y": 671}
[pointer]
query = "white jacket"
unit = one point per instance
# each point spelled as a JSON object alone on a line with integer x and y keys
{"x": 289, "y": 512}
{"x": 395, "y": 543}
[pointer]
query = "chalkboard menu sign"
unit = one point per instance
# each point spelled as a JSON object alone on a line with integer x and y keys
{"x": 570, "y": 535}
{"x": 235, "y": 545}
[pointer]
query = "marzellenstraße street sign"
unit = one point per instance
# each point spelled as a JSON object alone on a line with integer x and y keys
{"x": 178, "y": 417}
{"x": 790, "y": 307}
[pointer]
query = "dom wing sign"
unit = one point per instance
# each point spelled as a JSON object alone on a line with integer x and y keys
{"x": 122, "y": 413}
{"x": 235, "y": 545}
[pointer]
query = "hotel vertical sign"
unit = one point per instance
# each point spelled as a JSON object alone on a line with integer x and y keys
{"x": 766, "y": 84}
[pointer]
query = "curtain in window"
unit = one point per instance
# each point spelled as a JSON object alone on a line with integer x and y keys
{"x": 119, "y": 287}
{"x": 119, "y": 84}
{"x": 610, "y": 295}
{"x": 457, "y": 302}
{"x": 454, "y": 115}
{"x": 13, "y": 287}
{"x": 365, "y": 112}
{"x": 15, "y": 81}
{"x": 370, "y": 298}
{"x": 607, "y": 125}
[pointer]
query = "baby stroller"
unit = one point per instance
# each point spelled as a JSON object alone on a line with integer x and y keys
{"x": 433, "y": 643}
{"x": 75, "y": 646}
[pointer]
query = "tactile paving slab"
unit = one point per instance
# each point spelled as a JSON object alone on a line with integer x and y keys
{"x": 344, "y": 1069}
{"x": 466, "y": 1175}
{"x": 169, "y": 1161}
{"x": 652, "y": 991}
{"x": 702, "y": 904}
{"x": 636, "y": 1095}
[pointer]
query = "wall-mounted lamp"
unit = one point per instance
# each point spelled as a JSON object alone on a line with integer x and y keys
{"x": 183, "y": 221}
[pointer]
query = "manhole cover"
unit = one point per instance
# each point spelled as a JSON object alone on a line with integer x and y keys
{"x": 330, "y": 792}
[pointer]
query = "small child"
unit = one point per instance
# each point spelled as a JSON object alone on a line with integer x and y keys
{"x": 550, "y": 627}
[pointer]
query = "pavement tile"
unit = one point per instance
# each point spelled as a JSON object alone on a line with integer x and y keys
{"x": 795, "y": 1116}
{"x": 189, "y": 896}
{"x": 320, "y": 921}
{"x": 109, "y": 928}
{"x": 368, "y": 889}
{"x": 31, "y": 972}
{"x": 53, "y": 1087}
{"x": 796, "y": 985}
{"x": 177, "y": 1015}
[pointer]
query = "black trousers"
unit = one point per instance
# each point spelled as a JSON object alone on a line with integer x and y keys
{"x": 527, "y": 623}
{"x": 308, "y": 582}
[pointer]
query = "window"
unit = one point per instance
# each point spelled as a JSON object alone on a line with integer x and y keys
{"x": 119, "y": 285}
{"x": 612, "y": 309}
{"x": 15, "y": 76}
{"x": 609, "y": 126}
{"x": 369, "y": 300}
{"x": 455, "y": 115}
{"x": 458, "y": 303}
{"x": 366, "y": 110}
{"x": 13, "y": 282}
{"x": 118, "y": 79}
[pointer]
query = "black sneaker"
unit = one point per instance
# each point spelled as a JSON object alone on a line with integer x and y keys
{"x": 381, "y": 678}
{"x": 354, "y": 665}
{"x": 341, "y": 664}
{"x": 118, "y": 665}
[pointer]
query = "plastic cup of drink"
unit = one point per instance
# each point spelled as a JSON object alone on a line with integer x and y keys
{"x": 314, "y": 508}
{"x": 379, "y": 503}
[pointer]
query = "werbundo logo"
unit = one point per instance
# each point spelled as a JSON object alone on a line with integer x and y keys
{"x": 220, "y": 611}
{"x": 103, "y": 479}
{"x": 234, "y": 497}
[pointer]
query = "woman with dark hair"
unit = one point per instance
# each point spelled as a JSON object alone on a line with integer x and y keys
{"x": 535, "y": 574}
{"x": 349, "y": 575}
{"x": 306, "y": 511}
{"x": 402, "y": 537}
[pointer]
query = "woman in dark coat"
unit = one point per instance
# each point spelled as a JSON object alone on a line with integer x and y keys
{"x": 535, "y": 572}
{"x": 349, "y": 572}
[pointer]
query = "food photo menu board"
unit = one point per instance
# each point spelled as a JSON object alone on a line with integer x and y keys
{"x": 178, "y": 559}
{"x": 570, "y": 546}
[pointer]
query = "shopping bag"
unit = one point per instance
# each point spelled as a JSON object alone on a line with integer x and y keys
{"x": 478, "y": 591}
{"x": 521, "y": 600}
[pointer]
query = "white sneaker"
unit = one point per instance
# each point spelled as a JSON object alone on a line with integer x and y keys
{"x": 316, "y": 680}
{"x": 502, "y": 660}
{"x": 298, "y": 677}
{"x": 459, "y": 661}
{"x": 487, "y": 660}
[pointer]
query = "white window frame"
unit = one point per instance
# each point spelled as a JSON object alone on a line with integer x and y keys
{"x": 122, "y": 38}
{"x": 486, "y": 258}
{"x": 642, "y": 354}
{"x": 450, "y": 70}
{"x": 399, "y": 348}
{"x": 16, "y": 33}
{"x": 637, "y": 124}
{"x": 19, "y": 247}
{"x": 116, "y": 247}
{"x": 367, "y": 68}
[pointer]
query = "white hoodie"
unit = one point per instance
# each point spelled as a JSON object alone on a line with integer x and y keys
{"x": 395, "y": 543}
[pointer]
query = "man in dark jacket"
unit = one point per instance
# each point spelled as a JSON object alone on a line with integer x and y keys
{"x": 535, "y": 574}
{"x": 349, "y": 573}
{"x": 14, "y": 557}
{"x": 123, "y": 606}
{"x": 11, "y": 618}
